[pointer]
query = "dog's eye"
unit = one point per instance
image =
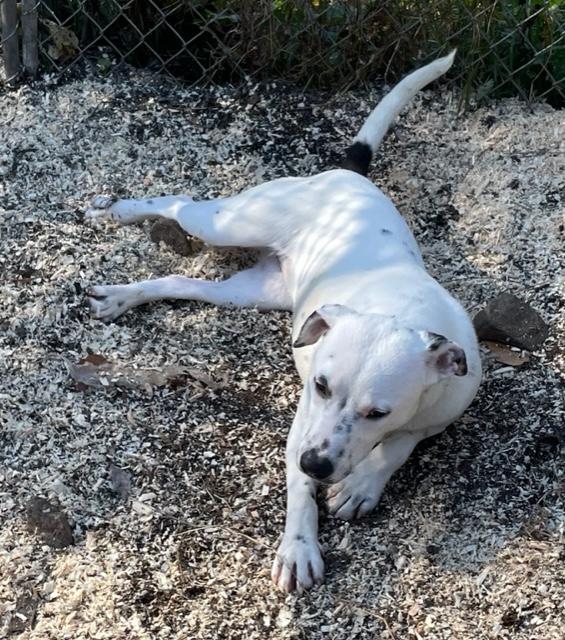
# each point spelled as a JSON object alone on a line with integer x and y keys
{"x": 322, "y": 387}
{"x": 375, "y": 414}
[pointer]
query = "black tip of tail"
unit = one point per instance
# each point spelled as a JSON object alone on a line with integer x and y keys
{"x": 358, "y": 158}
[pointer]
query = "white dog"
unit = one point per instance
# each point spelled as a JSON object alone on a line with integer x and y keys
{"x": 386, "y": 355}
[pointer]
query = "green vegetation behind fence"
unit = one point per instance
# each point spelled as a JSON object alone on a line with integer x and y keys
{"x": 507, "y": 47}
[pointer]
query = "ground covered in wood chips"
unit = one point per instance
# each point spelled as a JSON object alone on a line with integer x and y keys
{"x": 175, "y": 493}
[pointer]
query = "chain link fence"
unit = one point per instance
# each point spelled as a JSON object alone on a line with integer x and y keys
{"x": 505, "y": 47}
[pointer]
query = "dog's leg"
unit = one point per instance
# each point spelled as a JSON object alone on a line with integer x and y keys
{"x": 244, "y": 220}
{"x": 359, "y": 492}
{"x": 298, "y": 563}
{"x": 132, "y": 211}
{"x": 262, "y": 286}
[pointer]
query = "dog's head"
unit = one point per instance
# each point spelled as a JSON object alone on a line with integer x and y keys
{"x": 367, "y": 379}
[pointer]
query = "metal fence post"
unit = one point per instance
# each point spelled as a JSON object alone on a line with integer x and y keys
{"x": 29, "y": 36}
{"x": 10, "y": 46}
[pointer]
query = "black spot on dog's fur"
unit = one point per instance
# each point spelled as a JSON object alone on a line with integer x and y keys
{"x": 344, "y": 425}
{"x": 312, "y": 493}
{"x": 386, "y": 232}
{"x": 300, "y": 538}
{"x": 150, "y": 202}
{"x": 436, "y": 340}
{"x": 325, "y": 444}
{"x": 358, "y": 158}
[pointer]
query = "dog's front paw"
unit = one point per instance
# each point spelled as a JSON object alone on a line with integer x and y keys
{"x": 355, "y": 496}
{"x": 298, "y": 564}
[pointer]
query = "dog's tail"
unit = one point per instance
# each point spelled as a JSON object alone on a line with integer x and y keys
{"x": 358, "y": 155}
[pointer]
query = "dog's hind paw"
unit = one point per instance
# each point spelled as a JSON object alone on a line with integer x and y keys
{"x": 100, "y": 207}
{"x": 109, "y": 302}
{"x": 355, "y": 496}
{"x": 298, "y": 565}
{"x": 102, "y": 202}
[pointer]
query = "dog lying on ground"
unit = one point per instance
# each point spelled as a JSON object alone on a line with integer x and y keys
{"x": 386, "y": 355}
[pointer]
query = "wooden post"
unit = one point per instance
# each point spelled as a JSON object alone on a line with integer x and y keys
{"x": 29, "y": 36}
{"x": 9, "y": 16}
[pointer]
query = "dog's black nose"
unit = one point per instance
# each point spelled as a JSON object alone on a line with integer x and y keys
{"x": 315, "y": 466}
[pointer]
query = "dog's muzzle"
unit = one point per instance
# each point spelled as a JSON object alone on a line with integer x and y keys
{"x": 316, "y": 466}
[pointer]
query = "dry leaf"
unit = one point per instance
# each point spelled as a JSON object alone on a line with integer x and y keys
{"x": 64, "y": 42}
{"x": 505, "y": 355}
{"x": 96, "y": 371}
{"x": 206, "y": 379}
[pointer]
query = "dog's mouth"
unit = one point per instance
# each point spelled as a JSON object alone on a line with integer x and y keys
{"x": 328, "y": 482}
{"x": 338, "y": 477}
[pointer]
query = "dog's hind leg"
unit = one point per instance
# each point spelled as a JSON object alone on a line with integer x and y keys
{"x": 129, "y": 211}
{"x": 264, "y": 216}
{"x": 262, "y": 286}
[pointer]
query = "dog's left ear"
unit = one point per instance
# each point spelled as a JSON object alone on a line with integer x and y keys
{"x": 445, "y": 358}
{"x": 319, "y": 323}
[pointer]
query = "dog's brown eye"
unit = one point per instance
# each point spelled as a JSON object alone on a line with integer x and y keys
{"x": 322, "y": 387}
{"x": 375, "y": 414}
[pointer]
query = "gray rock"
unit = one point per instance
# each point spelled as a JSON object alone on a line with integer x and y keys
{"x": 50, "y": 522}
{"x": 172, "y": 234}
{"x": 509, "y": 320}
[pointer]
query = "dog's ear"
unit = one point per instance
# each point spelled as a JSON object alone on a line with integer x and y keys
{"x": 445, "y": 358}
{"x": 319, "y": 323}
